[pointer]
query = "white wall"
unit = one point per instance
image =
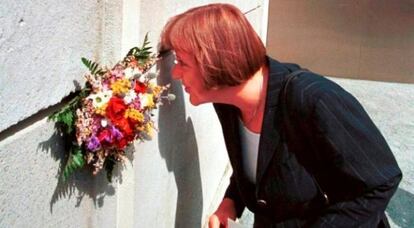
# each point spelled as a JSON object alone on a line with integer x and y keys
{"x": 41, "y": 43}
{"x": 172, "y": 181}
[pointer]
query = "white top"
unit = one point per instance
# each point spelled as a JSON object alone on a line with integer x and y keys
{"x": 250, "y": 148}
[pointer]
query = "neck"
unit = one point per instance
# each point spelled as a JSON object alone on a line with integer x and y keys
{"x": 249, "y": 97}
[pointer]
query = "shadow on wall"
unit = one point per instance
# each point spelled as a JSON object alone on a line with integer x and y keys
{"x": 178, "y": 146}
{"x": 401, "y": 209}
{"x": 82, "y": 182}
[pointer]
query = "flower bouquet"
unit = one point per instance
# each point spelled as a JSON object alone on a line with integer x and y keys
{"x": 113, "y": 109}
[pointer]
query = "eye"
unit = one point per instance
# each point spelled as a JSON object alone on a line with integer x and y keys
{"x": 179, "y": 62}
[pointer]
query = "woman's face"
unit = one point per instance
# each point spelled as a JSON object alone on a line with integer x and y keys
{"x": 187, "y": 70}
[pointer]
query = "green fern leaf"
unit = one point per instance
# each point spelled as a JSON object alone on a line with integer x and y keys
{"x": 92, "y": 66}
{"x": 75, "y": 162}
{"x": 86, "y": 62}
{"x": 66, "y": 115}
{"x": 146, "y": 41}
{"x": 132, "y": 51}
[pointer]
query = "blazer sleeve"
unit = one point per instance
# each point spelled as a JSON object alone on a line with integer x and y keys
{"x": 359, "y": 167}
{"x": 233, "y": 194}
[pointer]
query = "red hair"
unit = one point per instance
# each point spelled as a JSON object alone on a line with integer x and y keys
{"x": 222, "y": 41}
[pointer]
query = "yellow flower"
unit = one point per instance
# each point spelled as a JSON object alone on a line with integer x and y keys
{"x": 121, "y": 86}
{"x": 147, "y": 128}
{"x": 101, "y": 110}
{"x": 156, "y": 90}
{"x": 134, "y": 114}
{"x": 147, "y": 100}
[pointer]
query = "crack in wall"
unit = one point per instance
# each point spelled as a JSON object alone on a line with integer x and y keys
{"x": 29, "y": 121}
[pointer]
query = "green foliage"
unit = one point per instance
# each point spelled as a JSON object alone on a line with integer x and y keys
{"x": 75, "y": 161}
{"x": 141, "y": 54}
{"x": 66, "y": 116}
{"x": 92, "y": 66}
{"x": 65, "y": 119}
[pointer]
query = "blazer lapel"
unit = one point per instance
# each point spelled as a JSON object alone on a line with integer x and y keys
{"x": 269, "y": 138}
{"x": 228, "y": 116}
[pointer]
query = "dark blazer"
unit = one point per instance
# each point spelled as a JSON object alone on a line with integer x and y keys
{"x": 330, "y": 167}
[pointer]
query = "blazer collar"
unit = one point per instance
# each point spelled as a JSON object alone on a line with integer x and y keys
{"x": 277, "y": 71}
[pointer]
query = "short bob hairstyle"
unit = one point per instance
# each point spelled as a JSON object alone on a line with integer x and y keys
{"x": 222, "y": 41}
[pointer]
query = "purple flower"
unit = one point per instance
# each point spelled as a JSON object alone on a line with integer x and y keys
{"x": 116, "y": 133}
{"x": 93, "y": 143}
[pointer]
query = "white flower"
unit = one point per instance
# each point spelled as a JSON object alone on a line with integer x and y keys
{"x": 130, "y": 96}
{"x": 104, "y": 123}
{"x": 101, "y": 98}
{"x": 131, "y": 72}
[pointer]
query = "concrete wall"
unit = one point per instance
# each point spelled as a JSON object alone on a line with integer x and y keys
{"x": 176, "y": 180}
{"x": 361, "y": 39}
{"x": 41, "y": 43}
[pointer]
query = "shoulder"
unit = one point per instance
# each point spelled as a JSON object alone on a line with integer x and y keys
{"x": 309, "y": 88}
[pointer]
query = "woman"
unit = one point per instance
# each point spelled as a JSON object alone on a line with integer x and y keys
{"x": 321, "y": 164}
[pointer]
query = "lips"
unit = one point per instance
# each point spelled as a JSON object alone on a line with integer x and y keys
{"x": 186, "y": 88}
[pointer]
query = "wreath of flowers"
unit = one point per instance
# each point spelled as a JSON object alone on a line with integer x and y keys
{"x": 113, "y": 109}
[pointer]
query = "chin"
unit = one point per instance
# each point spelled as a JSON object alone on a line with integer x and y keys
{"x": 196, "y": 102}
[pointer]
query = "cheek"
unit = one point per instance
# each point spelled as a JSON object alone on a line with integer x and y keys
{"x": 175, "y": 72}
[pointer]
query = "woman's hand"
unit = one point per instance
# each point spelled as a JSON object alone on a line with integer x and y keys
{"x": 224, "y": 211}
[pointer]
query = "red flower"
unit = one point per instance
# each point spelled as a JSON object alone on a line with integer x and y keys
{"x": 124, "y": 126}
{"x": 115, "y": 112}
{"x": 140, "y": 87}
{"x": 121, "y": 143}
{"x": 116, "y": 109}
{"x": 105, "y": 136}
